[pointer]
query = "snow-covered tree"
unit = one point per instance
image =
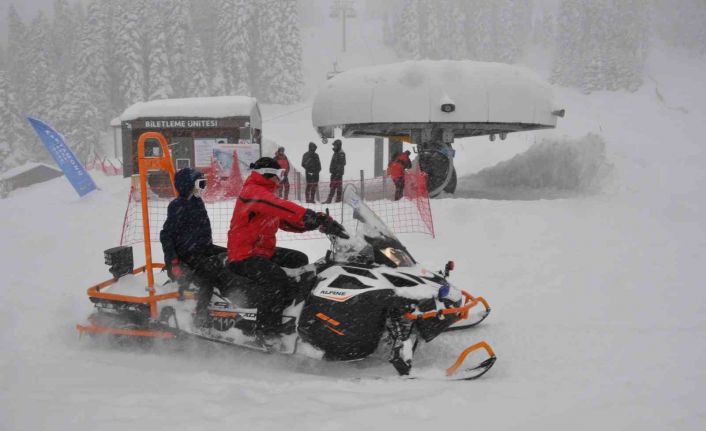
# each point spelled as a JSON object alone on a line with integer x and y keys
{"x": 64, "y": 31}
{"x": 40, "y": 87}
{"x": 81, "y": 127}
{"x": 12, "y": 148}
{"x": 407, "y": 27}
{"x": 178, "y": 33}
{"x": 197, "y": 82}
{"x": 682, "y": 23}
{"x": 158, "y": 73}
{"x": 17, "y": 52}
{"x": 128, "y": 55}
{"x": 90, "y": 65}
{"x": 601, "y": 44}
{"x": 289, "y": 81}
{"x": 233, "y": 46}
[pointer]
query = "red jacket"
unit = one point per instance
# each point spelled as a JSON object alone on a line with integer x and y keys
{"x": 283, "y": 163}
{"x": 257, "y": 216}
{"x": 396, "y": 167}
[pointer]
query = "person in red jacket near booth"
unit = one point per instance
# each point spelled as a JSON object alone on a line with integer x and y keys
{"x": 396, "y": 170}
{"x": 252, "y": 243}
{"x": 283, "y": 188}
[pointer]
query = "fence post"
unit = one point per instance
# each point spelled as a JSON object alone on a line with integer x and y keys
{"x": 298, "y": 178}
{"x": 384, "y": 186}
{"x": 362, "y": 184}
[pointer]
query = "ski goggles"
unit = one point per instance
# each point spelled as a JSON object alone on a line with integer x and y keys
{"x": 279, "y": 173}
{"x": 200, "y": 183}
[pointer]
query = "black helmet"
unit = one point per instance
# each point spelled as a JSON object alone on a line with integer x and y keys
{"x": 265, "y": 163}
{"x": 337, "y": 144}
{"x": 312, "y": 146}
{"x": 185, "y": 179}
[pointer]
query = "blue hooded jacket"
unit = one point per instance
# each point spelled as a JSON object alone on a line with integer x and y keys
{"x": 187, "y": 230}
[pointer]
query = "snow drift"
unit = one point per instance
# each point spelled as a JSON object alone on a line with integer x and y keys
{"x": 553, "y": 168}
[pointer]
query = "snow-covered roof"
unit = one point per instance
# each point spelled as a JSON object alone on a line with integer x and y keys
{"x": 413, "y": 92}
{"x": 115, "y": 122}
{"x": 198, "y": 107}
{"x": 17, "y": 170}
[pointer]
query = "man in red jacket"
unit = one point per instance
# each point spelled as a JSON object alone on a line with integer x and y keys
{"x": 396, "y": 170}
{"x": 252, "y": 242}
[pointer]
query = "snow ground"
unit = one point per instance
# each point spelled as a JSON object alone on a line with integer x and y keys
{"x": 599, "y": 311}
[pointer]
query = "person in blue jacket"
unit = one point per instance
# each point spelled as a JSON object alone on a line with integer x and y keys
{"x": 187, "y": 240}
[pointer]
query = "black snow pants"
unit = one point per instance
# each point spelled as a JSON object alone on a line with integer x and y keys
{"x": 275, "y": 289}
{"x": 208, "y": 272}
{"x": 312, "y": 186}
{"x": 336, "y": 188}
{"x": 399, "y": 188}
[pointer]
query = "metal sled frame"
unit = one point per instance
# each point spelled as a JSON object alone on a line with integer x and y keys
{"x": 145, "y": 164}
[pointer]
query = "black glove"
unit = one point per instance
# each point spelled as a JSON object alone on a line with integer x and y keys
{"x": 330, "y": 226}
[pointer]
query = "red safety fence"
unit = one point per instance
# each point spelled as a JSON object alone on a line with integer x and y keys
{"x": 411, "y": 214}
{"x": 104, "y": 165}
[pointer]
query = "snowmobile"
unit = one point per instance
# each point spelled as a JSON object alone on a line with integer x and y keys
{"x": 366, "y": 294}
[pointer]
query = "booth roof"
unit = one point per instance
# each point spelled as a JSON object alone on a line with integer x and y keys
{"x": 201, "y": 107}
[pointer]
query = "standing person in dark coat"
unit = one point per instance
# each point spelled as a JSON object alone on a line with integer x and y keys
{"x": 283, "y": 161}
{"x": 312, "y": 167}
{"x": 186, "y": 239}
{"x": 337, "y": 167}
{"x": 396, "y": 170}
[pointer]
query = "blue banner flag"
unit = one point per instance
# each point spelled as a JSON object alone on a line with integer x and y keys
{"x": 65, "y": 158}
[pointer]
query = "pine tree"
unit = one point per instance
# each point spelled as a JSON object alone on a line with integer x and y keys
{"x": 12, "y": 148}
{"x": 159, "y": 85}
{"x": 233, "y": 46}
{"x": 17, "y": 52}
{"x": 64, "y": 32}
{"x": 128, "y": 55}
{"x": 601, "y": 44}
{"x": 197, "y": 84}
{"x": 40, "y": 87}
{"x": 90, "y": 65}
{"x": 82, "y": 119}
{"x": 408, "y": 30}
{"x": 270, "y": 62}
{"x": 178, "y": 33}
{"x": 290, "y": 81}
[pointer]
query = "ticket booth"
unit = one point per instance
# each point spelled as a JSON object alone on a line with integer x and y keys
{"x": 198, "y": 130}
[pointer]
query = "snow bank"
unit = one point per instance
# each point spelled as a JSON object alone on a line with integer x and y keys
{"x": 553, "y": 168}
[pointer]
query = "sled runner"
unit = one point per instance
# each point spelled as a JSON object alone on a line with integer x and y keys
{"x": 367, "y": 293}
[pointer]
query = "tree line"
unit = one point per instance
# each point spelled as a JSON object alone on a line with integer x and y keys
{"x": 90, "y": 60}
{"x": 596, "y": 44}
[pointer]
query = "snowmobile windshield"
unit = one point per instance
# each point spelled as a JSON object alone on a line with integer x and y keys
{"x": 371, "y": 240}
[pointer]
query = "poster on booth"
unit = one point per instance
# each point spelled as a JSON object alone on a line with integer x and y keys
{"x": 247, "y": 154}
{"x": 203, "y": 152}
{"x": 223, "y": 155}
